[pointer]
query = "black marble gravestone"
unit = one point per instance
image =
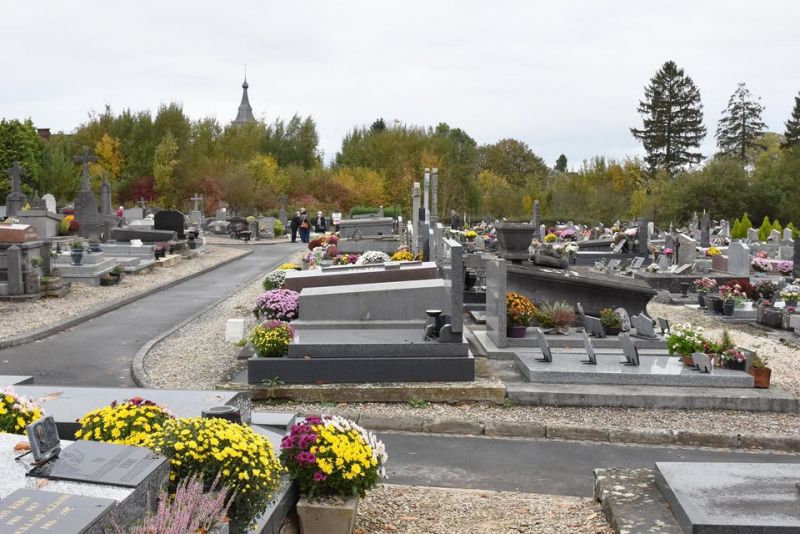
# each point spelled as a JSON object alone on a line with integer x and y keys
{"x": 101, "y": 463}
{"x": 44, "y": 440}
{"x": 170, "y": 220}
{"x": 46, "y": 512}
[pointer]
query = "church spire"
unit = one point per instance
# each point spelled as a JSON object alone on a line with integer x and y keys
{"x": 245, "y": 113}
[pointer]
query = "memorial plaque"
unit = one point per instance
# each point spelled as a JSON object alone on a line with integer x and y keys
{"x": 629, "y": 350}
{"x": 44, "y": 440}
{"x": 637, "y": 262}
{"x": 587, "y": 343}
{"x": 595, "y": 326}
{"x": 663, "y": 324}
{"x": 46, "y": 512}
{"x": 613, "y": 264}
{"x": 547, "y": 355}
{"x": 101, "y": 463}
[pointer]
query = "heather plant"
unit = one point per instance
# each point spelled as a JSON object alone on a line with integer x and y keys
{"x": 278, "y": 304}
{"x": 131, "y": 422}
{"x": 330, "y": 455}
{"x": 191, "y": 509}
{"x": 274, "y": 280}
{"x": 558, "y": 315}
{"x": 271, "y": 339}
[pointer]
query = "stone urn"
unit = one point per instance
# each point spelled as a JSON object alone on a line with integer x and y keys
{"x": 76, "y": 255}
{"x": 514, "y": 239}
{"x": 327, "y": 516}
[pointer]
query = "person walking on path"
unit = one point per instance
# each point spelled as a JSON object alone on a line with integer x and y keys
{"x": 295, "y": 225}
{"x": 319, "y": 223}
{"x": 455, "y": 220}
{"x": 305, "y": 226}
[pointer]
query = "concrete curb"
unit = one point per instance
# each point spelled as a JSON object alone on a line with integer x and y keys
{"x": 511, "y": 429}
{"x": 138, "y": 374}
{"x": 97, "y": 312}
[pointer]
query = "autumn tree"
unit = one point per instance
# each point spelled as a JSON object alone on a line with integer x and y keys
{"x": 672, "y": 120}
{"x": 164, "y": 163}
{"x": 741, "y": 127}
{"x": 109, "y": 164}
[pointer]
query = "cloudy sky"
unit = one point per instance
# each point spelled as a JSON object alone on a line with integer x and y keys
{"x": 561, "y": 76}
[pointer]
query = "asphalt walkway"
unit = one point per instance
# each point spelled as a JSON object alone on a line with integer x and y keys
{"x": 99, "y": 352}
{"x": 532, "y": 465}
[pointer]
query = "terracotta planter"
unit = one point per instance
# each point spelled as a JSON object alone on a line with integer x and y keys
{"x": 516, "y": 331}
{"x": 761, "y": 377}
{"x": 688, "y": 361}
{"x": 327, "y": 518}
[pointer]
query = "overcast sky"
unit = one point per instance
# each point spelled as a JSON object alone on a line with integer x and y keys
{"x": 561, "y": 76}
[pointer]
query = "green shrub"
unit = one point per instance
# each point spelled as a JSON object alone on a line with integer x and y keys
{"x": 776, "y": 225}
{"x": 766, "y": 227}
{"x": 390, "y": 211}
{"x": 746, "y": 225}
{"x": 278, "y": 228}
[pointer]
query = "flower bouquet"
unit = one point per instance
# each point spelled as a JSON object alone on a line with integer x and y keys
{"x": 733, "y": 292}
{"x": 733, "y": 358}
{"x": 685, "y": 339}
{"x": 280, "y": 304}
{"x": 704, "y": 285}
{"x": 713, "y": 251}
{"x": 567, "y": 234}
{"x": 520, "y": 310}
{"x": 550, "y": 238}
{"x": 131, "y": 422}
{"x": 289, "y": 266}
{"x": 557, "y": 316}
{"x": 345, "y": 259}
{"x": 402, "y": 254}
{"x": 785, "y": 267}
{"x": 235, "y": 455}
{"x": 761, "y": 265}
{"x": 271, "y": 339}
{"x": 372, "y": 257}
{"x": 17, "y": 412}
{"x": 765, "y": 290}
{"x": 315, "y": 256}
{"x": 791, "y": 294}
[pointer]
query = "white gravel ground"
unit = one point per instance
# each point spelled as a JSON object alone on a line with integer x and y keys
{"x": 34, "y": 315}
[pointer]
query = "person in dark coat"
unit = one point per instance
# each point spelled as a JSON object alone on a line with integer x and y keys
{"x": 295, "y": 225}
{"x": 320, "y": 225}
{"x": 305, "y": 226}
{"x": 455, "y": 220}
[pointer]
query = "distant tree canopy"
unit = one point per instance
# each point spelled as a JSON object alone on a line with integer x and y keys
{"x": 672, "y": 120}
{"x": 19, "y": 142}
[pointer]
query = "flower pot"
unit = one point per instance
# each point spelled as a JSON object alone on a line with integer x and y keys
{"x": 94, "y": 247}
{"x": 516, "y": 331}
{"x": 761, "y": 376}
{"x": 77, "y": 256}
{"x": 514, "y": 239}
{"x": 715, "y": 303}
{"x": 322, "y": 517}
{"x": 791, "y": 303}
{"x": 612, "y": 331}
{"x": 734, "y": 365}
{"x": 701, "y": 300}
{"x": 728, "y": 307}
{"x": 688, "y": 361}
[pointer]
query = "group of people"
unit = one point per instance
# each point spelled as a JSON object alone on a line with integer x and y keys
{"x": 302, "y": 224}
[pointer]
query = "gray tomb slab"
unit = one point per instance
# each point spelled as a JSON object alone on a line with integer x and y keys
{"x": 269, "y": 227}
{"x": 797, "y": 261}
{"x": 45, "y": 512}
{"x": 618, "y": 247}
{"x": 622, "y": 313}
{"x": 705, "y": 230}
{"x": 686, "y": 249}
{"x": 547, "y": 356}
{"x": 587, "y": 344}
{"x": 739, "y": 259}
{"x": 774, "y": 236}
{"x": 752, "y": 235}
{"x": 732, "y": 498}
{"x": 637, "y": 262}
{"x": 133, "y": 214}
{"x": 170, "y": 220}
{"x": 702, "y": 362}
{"x": 644, "y": 326}
{"x": 613, "y": 264}
{"x": 102, "y": 463}
{"x": 787, "y": 234}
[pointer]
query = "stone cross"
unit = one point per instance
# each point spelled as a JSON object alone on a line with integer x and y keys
{"x": 705, "y": 230}
{"x": 197, "y": 201}
{"x": 141, "y": 203}
{"x": 84, "y": 159}
{"x": 15, "y": 172}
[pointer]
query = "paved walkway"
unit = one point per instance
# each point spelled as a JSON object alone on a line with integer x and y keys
{"x": 530, "y": 465}
{"x": 99, "y": 352}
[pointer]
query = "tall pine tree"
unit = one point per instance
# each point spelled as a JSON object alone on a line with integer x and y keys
{"x": 672, "y": 118}
{"x": 740, "y": 127}
{"x": 792, "y": 135}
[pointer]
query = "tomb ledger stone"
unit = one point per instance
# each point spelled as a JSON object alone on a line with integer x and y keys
{"x": 44, "y": 512}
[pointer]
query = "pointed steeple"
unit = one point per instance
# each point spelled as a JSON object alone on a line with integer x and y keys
{"x": 245, "y": 113}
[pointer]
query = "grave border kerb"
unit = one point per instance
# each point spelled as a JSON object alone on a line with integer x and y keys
{"x": 97, "y": 312}
{"x": 139, "y": 375}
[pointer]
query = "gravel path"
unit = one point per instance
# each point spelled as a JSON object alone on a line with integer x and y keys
{"x": 784, "y": 357}
{"x": 412, "y": 510}
{"x": 196, "y": 356}
{"x": 43, "y": 313}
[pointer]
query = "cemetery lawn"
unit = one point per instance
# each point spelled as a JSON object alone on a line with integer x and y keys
{"x": 43, "y": 313}
{"x": 414, "y": 509}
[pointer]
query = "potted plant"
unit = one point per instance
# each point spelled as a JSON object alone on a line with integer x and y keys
{"x": 761, "y": 373}
{"x": 118, "y": 273}
{"x": 520, "y": 311}
{"x": 271, "y": 339}
{"x": 558, "y": 317}
{"x": 94, "y": 245}
{"x": 732, "y": 295}
{"x": 761, "y": 265}
{"x": 765, "y": 290}
{"x": 160, "y": 250}
{"x": 685, "y": 339}
{"x": 335, "y": 462}
{"x": 36, "y": 262}
{"x": 76, "y": 251}
{"x": 611, "y": 321}
{"x": 702, "y": 286}
{"x": 733, "y": 358}
{"x": 791, "y": 294}
{"x": 278, "y": 304}
{"x": 17, "y": 412}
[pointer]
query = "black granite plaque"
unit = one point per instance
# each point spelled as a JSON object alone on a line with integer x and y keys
{"x": 44, "y": 440}
{"x": 45, "y": 512}
{"x": 101, "y": 463}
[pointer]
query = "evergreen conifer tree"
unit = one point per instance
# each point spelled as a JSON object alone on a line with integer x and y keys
{"x": 763, "y": 231}
{"x": 792, "y": 134}
{"x": 561, "y": 163}
{"x": 746, "y": 225}
{"x": 793, "y": 228}
{"x": 776, "y": 225}
{"x": 736, "y": 229}
{"x": 672, "y": 120}
{"x": 741, "y": 127}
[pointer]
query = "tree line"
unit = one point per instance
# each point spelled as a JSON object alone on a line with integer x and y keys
{"x": 167, "y": 157}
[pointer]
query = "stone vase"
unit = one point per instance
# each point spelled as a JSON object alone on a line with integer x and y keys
{"x": 77, "y": 256}
{"x": 514, "y": 240}
{"x": 327, "y": 518}
{"x": 516, "y": 331}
